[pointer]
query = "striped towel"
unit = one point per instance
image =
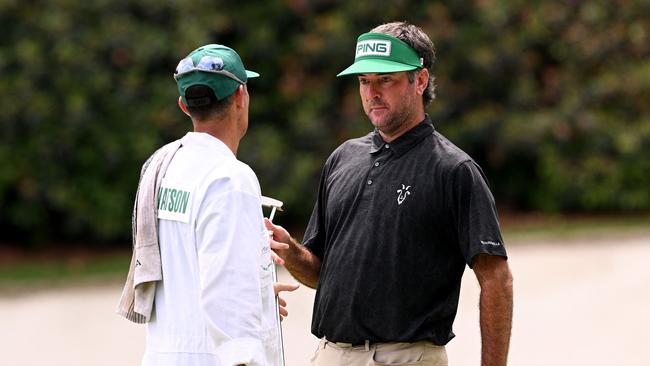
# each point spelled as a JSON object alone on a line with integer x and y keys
{"x": 136, "y": 302}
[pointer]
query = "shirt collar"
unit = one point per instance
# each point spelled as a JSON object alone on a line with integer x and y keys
{"x": 405, "y": 142}
{"x": 207, "y": 141}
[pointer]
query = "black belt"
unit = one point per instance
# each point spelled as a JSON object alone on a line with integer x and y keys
{"x": 366, "y": 344}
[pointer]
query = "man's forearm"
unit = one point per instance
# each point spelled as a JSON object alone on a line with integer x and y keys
{"x": 302, "y": 264}
{"x": 496, "y": 321}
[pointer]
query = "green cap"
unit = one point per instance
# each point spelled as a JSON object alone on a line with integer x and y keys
{"x": 216, "y": 66}
{"x": 379, "y": 53}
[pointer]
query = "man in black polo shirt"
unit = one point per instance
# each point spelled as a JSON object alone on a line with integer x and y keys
{"x": 399, "y": 214}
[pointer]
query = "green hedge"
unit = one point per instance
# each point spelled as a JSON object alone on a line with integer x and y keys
{"x": 551, "y": 99}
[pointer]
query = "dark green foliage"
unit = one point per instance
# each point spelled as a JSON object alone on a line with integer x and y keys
{"x": 552, "y": 98}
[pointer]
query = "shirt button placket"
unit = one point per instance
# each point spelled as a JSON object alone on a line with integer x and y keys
{"x": 376, "y": 164}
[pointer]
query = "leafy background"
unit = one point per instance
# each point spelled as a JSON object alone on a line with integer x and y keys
{"x": 552, "y": 98}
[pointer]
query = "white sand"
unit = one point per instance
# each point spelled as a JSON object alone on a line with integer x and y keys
{"x": 578, "y": 304}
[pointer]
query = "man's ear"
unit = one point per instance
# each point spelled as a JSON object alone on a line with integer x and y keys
{"x": 182, "y": 106}
{"x": 240, "y": 96}
{"x": 422, "y": 79}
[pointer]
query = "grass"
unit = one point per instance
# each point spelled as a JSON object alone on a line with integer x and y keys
{"x": 27, "y": 274}
{"x": 56, "y": 268}
{"x": 522, "y": 229}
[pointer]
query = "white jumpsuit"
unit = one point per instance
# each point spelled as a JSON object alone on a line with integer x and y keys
{"x": 215, "y": 305}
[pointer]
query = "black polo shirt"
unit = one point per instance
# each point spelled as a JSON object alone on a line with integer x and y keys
{"x": 394, "y": 225}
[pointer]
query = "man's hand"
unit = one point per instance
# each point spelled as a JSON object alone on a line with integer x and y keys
{"x": 279, "y": 287}
{"x": 279, "y": 241}
{"x": 300, "y": 261}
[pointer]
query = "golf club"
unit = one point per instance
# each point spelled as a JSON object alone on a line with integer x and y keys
{"x": 275, "y": 205}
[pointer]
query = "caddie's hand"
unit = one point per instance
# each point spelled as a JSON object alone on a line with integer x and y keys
{"x": 279, "y": 287}
{"x": 279, "y": 241}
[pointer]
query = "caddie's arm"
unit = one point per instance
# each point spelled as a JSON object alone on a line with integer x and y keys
{"x": 495, "y": 279}
{"x": 301, "y": 263}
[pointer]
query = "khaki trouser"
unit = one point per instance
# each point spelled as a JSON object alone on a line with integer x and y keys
{"x": 380, "y": 354}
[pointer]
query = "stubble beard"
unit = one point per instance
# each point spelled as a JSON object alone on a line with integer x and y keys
{"x": 395, "y": 119}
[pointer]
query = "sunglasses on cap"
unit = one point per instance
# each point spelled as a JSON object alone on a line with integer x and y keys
{"x": 211, "y": 64}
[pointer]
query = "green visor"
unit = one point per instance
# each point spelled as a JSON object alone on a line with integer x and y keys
{"x": 378, "y": 53}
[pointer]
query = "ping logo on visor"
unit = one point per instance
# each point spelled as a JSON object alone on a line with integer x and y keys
{"x": 373, "y": 47}
{"x": 378, "y": 53}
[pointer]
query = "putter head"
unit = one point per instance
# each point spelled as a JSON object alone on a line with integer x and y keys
{"x": 271, "y": 202}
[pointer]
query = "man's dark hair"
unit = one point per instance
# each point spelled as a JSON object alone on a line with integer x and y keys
{"x": 420, "y": 42}
{"x": 203, "y": 105}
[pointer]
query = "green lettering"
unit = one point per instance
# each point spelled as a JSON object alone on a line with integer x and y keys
{"x": 167, "y": 194}
{"x": 160, "y": 193}
{"x": 162, "y": 198}
{"x": 172, "y": 198}
{"x": 186, "y": 198}
{"x": 177, "y": 202}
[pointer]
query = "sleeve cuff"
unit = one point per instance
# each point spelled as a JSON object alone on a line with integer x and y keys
{"x": 242, "y": 351}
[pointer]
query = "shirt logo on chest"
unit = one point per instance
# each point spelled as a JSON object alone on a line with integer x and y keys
{"x": 402, "y": 193}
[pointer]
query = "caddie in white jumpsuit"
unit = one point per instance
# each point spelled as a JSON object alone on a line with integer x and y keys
{"x": 215, "y": 304}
